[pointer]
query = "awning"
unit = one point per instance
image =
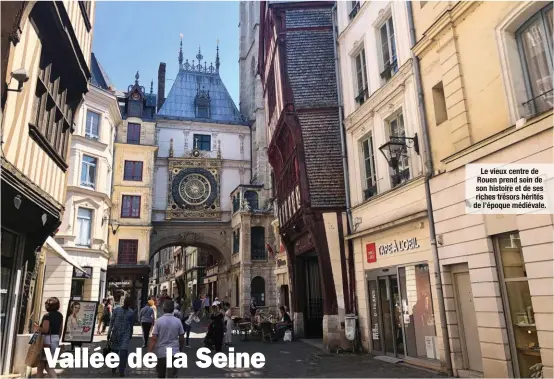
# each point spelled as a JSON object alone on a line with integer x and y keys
{"x": 63, "y": 254}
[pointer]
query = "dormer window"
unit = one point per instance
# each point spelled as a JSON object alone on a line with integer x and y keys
{"x": 202, "y": 104}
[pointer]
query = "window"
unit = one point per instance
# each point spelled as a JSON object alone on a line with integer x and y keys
{"x": 270, "y": 91}
{"x": 130, "y": 207}
{"x": 92, "y": 126}
{"x": 84, "y": 226}
{"x": 203, "y": 142}
{"x": 202, "y": 111}
{"x": 252, "y": 199}
{"x": 439, "y": 102}
{"x": 535, "y": 47}
{"x": 135, "y": 106}
{"x": 236, "y": 202}
{"x": 236, "y": 241}
{"x": 133, "y": 134}
{"x": 133, "y": 171}
{"x": 127, "y": 252}
{"x": 361, "y": 77}
{"x": 517, "y": 302}
{"x": 77, "y": 289}
{"x": 237, "y": 291}
{"x": 396, "y": 128}
{"x": 354, "y": 9}
{"x": 369, "y": 166}
{"x": 257, "y": 287}
{"x": 388, "y": 50}
{"x": 257, "y": 243}
{"x": 53, "y": 109}
{"x": 88, "y": 171}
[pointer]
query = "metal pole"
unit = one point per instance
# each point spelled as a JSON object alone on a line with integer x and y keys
{"x": 428, "y": 175}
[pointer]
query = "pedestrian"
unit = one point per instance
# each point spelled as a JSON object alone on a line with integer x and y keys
{"x": 206, "y": 304}
{"x": 107, "y": 315}
{"x": 177, "y": 311}
{"x": 187, "y": 326}
{"x": 228, "y": 325}
{"x": 197, "y": 305}
{"x": 216, "y": 302}
{"x": 146, "y": 318}
{"x": 121, "y": 332}
{"x": 100, "y": 316}
{"x": 168, "y": 333}
{"x": 217, "y": 328}
{"x": 253, "y": 307}
{"x": 51, "y": 328}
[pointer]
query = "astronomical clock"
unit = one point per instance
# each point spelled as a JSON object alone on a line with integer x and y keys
{"x": 194, "y": 187}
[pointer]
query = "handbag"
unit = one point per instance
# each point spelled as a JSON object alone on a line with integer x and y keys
{"x": 34, "y": 353}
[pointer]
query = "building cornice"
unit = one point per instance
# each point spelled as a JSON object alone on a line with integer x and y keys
{"x": 448, "y": 19}
{"x": 204, "y": 127}
{"x": 103, "y": 197}
{"x": 97, "y": 145}
{"x": 380, "y": 97}
{"x": 356, "y": 19}
{"x": 130, "y": 146}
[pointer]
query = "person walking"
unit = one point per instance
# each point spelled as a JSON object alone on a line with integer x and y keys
{"x": 187, "y": 326}
{"x": 206, "y": 304}
{"x": 100, "y": 316}
{"x": 121, "y": 332}
{"x": 197, "y": 305}
{"x": 107, "y": 315}
{"x": 146, "y": 318}
{"x": 51, "y": 328}
{"x": 168, "y": 333}
{"x": 217, "y": 328}
{"x": 228, "y": 325}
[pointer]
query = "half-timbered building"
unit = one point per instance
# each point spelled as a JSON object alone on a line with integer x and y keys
{"x": 296, "y": 61}
{"x": 45, "y": 69}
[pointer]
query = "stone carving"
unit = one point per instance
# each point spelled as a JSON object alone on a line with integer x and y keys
{"x": 186, "y": 135}
{"x": 214, "y": 140}
{"x": 190, "y": 237}
{"x": 171, "y": 147}
{"x": 241, "y": 137}
{"x": 244, "y": 206}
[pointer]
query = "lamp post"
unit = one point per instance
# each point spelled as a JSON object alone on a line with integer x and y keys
{"x": 395, "y": 148}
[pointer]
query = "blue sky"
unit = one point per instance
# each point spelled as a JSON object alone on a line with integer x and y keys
{"x": 130, "y": 36}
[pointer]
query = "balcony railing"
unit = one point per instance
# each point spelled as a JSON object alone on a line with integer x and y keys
{"x": 259, "y": 254}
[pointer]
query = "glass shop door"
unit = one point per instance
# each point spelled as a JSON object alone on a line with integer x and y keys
{"x": 386, "y": 315}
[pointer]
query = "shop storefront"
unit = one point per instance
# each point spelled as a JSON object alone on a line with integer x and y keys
{"x": 129, "y": 282}
{"x": 398, "y": 317}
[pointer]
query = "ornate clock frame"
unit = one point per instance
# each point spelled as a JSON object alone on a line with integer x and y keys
{"x": 194, "y": 187}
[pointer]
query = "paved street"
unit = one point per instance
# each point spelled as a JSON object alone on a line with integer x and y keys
{"x": 283, "y": 359}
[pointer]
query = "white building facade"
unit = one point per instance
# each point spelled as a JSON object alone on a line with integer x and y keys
{"x": 84, "y": 230}
{"x": 397, "y": 302}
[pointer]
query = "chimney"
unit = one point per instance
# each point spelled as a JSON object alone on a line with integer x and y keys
{"x": 161, "y": 85}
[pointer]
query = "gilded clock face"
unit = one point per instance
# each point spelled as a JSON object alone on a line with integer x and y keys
{"x": 135, "y": 96}
{"x": 195, "y": 189}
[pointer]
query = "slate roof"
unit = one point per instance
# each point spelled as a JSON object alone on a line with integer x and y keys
{"x": 99, "y": 77}
{"x": 191, "y": 81}
{"x": 311, "y": 74}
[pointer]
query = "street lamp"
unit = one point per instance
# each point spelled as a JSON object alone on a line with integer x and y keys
{"x": 114, "y": 225}
{"x": 396, "y": 147}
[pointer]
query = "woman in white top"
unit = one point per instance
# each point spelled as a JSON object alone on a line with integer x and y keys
{"x": 228, "y": 339}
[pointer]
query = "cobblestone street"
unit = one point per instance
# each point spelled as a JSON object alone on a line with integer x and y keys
{"x": 283, "y": 359}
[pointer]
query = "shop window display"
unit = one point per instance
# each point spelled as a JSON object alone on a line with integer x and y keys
{"x": 517, "y": 303}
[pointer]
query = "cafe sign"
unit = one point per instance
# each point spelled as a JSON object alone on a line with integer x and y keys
{"x": 398, "y": 246}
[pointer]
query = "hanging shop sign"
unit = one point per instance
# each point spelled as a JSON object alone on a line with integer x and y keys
{"x": 79, "y": 322}
{"x": 399, "y": 246}
{"x": 371, "y": 253}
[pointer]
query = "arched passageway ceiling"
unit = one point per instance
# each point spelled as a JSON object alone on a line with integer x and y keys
{"x": 214, "y": 238}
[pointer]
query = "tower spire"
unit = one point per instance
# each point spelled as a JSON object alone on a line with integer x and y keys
{"x": 181, "y": 52}
{"x": 137, "y": 77}
{"x": 217, "y": 58}
{"x": 151, "y": 86}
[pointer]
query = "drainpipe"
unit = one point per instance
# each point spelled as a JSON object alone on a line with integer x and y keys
{"x": 428, "y": 174}
{"x": 351, "y": 278}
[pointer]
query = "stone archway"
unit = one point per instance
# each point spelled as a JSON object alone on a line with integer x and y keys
{"x": 215, "y": 237}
